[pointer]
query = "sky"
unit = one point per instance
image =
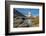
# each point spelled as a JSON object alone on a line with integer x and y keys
{"x": 24, "y": 11}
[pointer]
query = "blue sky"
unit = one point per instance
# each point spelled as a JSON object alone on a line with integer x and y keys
{"x": 35, "y": 12}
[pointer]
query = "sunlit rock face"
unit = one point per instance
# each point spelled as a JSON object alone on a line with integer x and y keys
{"x": 28, "y": 20}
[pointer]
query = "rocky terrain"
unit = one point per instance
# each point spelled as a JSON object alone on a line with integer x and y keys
{"x": 22, "y": 22}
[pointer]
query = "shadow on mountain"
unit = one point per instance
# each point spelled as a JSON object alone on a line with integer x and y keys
{"x": 17, "y": 13}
